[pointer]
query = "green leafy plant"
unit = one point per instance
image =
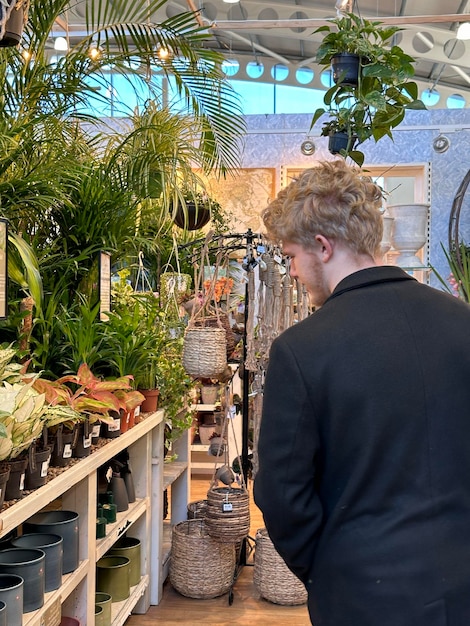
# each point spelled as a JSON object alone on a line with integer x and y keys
{"x": 458, "y": 283}
{"x": 374, "y": 106}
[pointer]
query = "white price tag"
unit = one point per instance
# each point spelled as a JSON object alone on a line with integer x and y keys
{"x": 116, "y": 425}
{"x": 22, "y": 478}
{"x": 87, "y": 441}
{"x": 67, "y": 451}
{"x": 44, "y": 468}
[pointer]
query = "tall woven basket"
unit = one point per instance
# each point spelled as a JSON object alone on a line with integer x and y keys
{"x": 200, "y": 567}
{"x": 272, "y": 578}
{"x": 228, "y": 514}
{"x": 204, "y": 351}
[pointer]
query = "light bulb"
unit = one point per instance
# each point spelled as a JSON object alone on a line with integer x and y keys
{"x": 60, "y": 44}
{"x": 463, "y": 31}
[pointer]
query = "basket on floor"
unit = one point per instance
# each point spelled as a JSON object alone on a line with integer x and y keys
{"x": 197, "y": 509}
{"x": 204, "y": 351}
{"x": 200, "y": 567}
{"x": 228, "y": 514}
{"x": 272, "y": 578}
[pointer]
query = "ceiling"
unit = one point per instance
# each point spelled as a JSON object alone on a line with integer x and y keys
{"x": 280, "y": 32}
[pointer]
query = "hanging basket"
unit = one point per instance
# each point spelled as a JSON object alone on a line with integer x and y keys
{"x": 272, "y": 578}
{"x": 200, "y": 567}
{"x": 204, "y": 351}
{"x": 228, "y": 514}
{"x": 221, "y": 321}
{"x": 197, "y": 509}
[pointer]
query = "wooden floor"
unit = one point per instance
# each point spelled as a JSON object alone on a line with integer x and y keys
{"x": 247, "y": 607}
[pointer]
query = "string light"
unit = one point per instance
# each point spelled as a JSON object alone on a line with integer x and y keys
{"x": 61, "y": 44}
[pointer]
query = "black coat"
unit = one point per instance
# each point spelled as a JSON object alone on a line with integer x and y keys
{"x": 364, "y": 454}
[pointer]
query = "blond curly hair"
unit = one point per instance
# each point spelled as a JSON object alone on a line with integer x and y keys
{"x": 332, "y": 199}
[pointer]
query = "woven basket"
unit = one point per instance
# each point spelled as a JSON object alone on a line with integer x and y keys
{"x": 228, "y": 514}
{"x": 204, "y": 351}
{"x": 197, "y": 509}
{"x": 221, "y": 321}
{"x": 272, "y": 578}
{"x": 200, "y": 567}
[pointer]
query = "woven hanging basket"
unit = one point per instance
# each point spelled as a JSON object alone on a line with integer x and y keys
{"x": 221, "y": 321}
{"x": 200, "y": 567}
{"x": 197, "y": 509}
{"x": 272, "y": 578}
{"x": 204, "y": 351}
{"x": 228, "y": 514}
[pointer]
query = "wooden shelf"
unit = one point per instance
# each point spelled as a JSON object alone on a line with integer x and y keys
{"x": 76, "y": 488}
{"x": 172, "y": 471}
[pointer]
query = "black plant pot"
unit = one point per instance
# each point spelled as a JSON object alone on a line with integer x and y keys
{"x": 194, "y": 218}
{"x": 340, "y": 141}
{"x": 346, "y": 68}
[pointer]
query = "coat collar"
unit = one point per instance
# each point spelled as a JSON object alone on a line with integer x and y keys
{"x": 370, "y": 276}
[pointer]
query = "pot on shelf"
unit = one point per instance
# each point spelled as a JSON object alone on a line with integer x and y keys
{"x": 112, "y": 577}
{"x": 29, "y": 563}
{"x": 11, "y": 593}
{"x": 53, "y": 548}
{"x": 150, "y": 404}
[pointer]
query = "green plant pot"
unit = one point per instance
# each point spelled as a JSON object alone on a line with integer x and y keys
{"x": 129, "y": 547}
{"x": 104, "y": 600}
{"x": 112, "y": 577}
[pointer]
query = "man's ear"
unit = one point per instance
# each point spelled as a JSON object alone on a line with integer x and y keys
{"x": 325, "y": 247}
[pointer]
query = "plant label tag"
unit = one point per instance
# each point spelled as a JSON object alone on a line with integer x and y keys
{"x": 44, "y": 468}
{"x": 96, "y": 430}
{"x": 22, "y": 478}
{"x": 67, "y": 451}
{"x": 116, "y": 425}
{"x": 87, "y": 441}
{"x": 226, "y": 507}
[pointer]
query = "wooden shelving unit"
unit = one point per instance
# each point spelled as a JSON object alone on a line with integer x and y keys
{"x": 76, "y": 489}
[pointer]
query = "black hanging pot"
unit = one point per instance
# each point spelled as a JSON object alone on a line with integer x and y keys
{"x": 345, "y": 68}
{"x": 193, "y": 218}
{"x": 340, "y": 141}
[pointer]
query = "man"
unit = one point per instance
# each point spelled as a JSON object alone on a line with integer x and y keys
{"x": 364, "y": 447}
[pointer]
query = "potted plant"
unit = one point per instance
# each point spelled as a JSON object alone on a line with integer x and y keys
{"x": 375, "y": 103}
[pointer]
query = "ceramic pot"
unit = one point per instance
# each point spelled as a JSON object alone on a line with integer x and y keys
{"x": 409, "y": 232}
{"x": 209, "y": 394}
{"x": 53, "y": 547}
{"x": 38, "y": 466}
{"x": 112, "y": 577}
{"x": 11, "y": 593}
{"x": 129, "y": 547}
{"x": 104, "y": 600}
{"x": 340, "y": 141}
{"x": 119, "y": 491}
{"x": 14, "y": 27}
{"x": 150, "y": 404}
{"x": 15, "y": 484}
{"x": 62, "y": 523}
{"x": 29, "y": 563}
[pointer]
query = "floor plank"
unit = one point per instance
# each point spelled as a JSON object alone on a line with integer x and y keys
{"x": 247, "y": 607}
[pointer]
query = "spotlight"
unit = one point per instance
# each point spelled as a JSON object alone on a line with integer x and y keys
{"x": 441, "y": 143}
{"x": 307, "y": 147}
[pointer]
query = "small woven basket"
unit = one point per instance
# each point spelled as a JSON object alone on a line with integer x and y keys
{"x": 204, "y": 351}
{"x": 200, "y": 567}
{"x": 228, "y": 514}
{"x": 272, "y": 578}
{"x": 197, "y": 509}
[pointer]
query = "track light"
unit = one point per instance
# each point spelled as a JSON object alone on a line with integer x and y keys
{"x": 463, "y": 31}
